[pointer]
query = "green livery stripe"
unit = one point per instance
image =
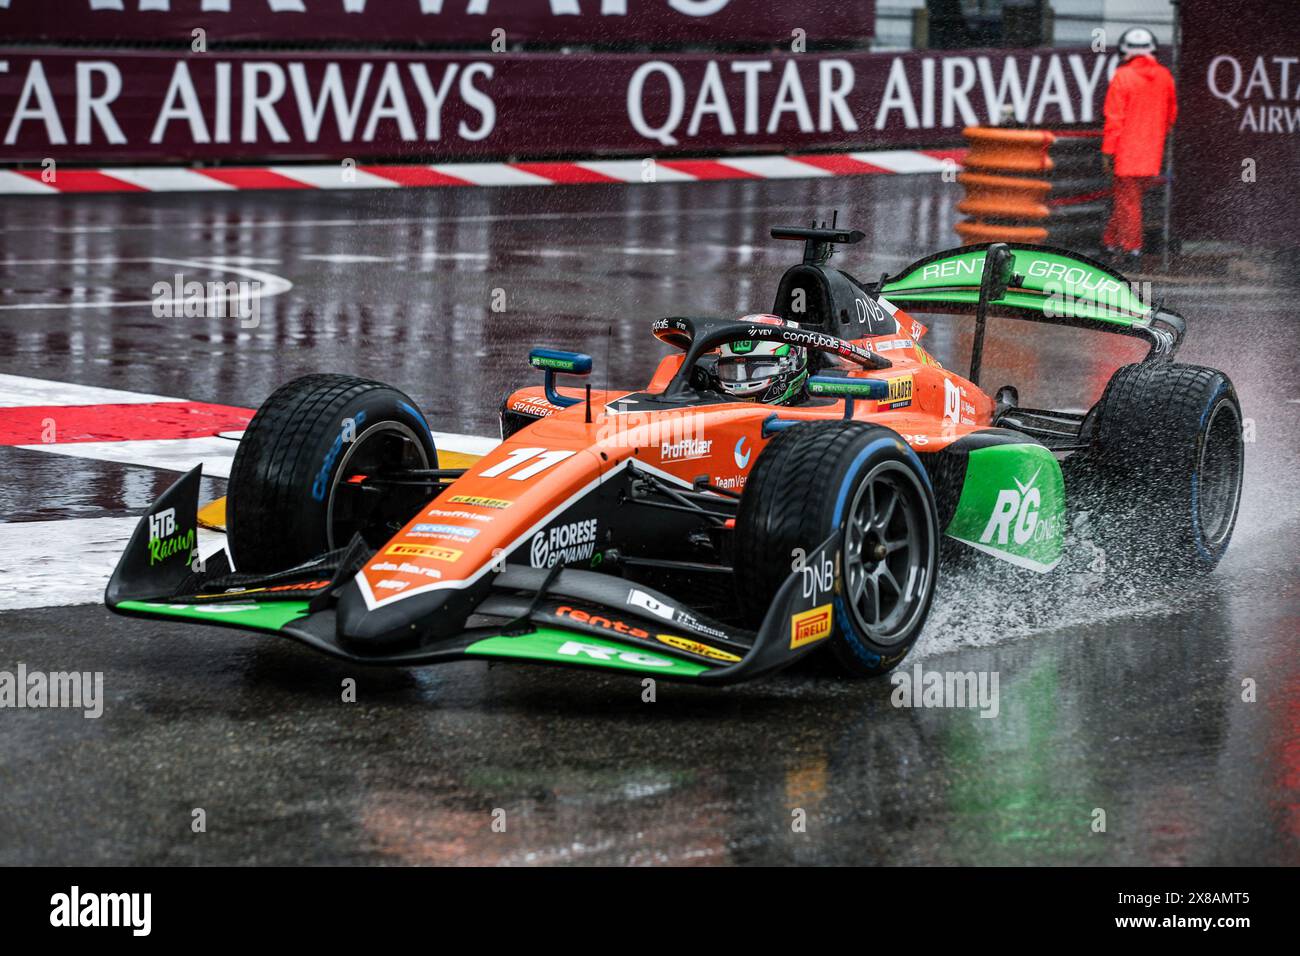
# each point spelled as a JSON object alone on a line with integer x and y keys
{"x": 544, "y": 644}
{"x": 566, "y": 647}
{"x": 1012, "y": 506}
{"x": 1057, "y": 285}
{"x": 1051, "y": 308}
{"x": 263, "y": 616}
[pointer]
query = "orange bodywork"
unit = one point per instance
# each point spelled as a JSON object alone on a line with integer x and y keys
{"x": 526, "y": 483}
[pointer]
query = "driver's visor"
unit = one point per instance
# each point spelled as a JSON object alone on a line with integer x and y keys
{"x": 740, "y": 371}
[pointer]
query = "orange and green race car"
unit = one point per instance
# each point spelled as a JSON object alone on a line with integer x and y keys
{"x": 784, "y": 483}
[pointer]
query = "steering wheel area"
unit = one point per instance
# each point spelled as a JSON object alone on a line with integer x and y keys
{"x": 698, "y": 335}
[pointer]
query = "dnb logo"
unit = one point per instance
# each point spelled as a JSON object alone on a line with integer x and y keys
{"x": 1015, "y": 513}
{"x": 818, "y": 578}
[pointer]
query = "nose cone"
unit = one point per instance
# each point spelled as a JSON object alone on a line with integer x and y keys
{"x": 403, "y": 621}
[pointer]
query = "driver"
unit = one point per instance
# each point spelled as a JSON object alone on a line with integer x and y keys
{"x": 771, "y": 373}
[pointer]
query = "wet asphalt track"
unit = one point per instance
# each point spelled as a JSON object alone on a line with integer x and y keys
{"x": 1130, "y": 703}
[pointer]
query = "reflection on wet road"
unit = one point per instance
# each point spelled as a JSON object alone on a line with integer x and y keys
{"x": 1130, "y": 703}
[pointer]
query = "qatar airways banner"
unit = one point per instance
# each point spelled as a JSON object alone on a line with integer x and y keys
{"x": 1237, "y": 142}
{"x": 159, "y": 105}
{"x": 460, "y": 22}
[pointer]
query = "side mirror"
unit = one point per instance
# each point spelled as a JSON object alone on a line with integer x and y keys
{"x": 552, "y": 361}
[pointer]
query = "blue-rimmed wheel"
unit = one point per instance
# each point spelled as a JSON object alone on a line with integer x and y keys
{"x": 864, "y": 481}
{"x": 297, "y": 484}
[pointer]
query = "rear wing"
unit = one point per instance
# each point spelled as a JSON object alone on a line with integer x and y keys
{"x": 1046, "y": 284}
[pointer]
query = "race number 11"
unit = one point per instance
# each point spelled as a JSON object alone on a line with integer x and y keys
{"x": 544, "y": 459}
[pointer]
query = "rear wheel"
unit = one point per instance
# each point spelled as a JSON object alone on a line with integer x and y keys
{"x": 295, "y": 485}
{"x": 1167, "y": 457}
{"x": 865, "y": 481}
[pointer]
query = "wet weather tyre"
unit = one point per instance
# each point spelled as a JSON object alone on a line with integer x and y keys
{"x": 865, "y": 481}
{"x": 295, "y": 489}
{"x": 1167, "y": 455}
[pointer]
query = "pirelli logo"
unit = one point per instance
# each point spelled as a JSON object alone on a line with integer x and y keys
{"x": 809, "y": 626}
{"x": 424, "y": 551}
{"x": 476, "y": 501}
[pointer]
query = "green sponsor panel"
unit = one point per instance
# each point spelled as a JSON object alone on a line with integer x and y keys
{"x": 574, "y": 362}
{"x": 566, "y": 647}
{"x": 261, "y": 616}
{"x": 1057, "y": 285}
{"x": 564, "y": 365}
{"x": 845, "y": 387}
{"x": 1013, "y": 505}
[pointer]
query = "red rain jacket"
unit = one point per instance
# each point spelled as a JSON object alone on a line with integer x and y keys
{"x": 1140, "y": 110}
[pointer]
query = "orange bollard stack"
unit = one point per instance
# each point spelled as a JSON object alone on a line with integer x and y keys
{"x": 1005, "y": 201}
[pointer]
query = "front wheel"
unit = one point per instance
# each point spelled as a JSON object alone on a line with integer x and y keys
{"x": 864, "y": 481}
{"x": 297, "y": 485}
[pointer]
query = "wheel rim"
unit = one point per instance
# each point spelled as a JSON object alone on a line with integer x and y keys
{"x": 888, "y": 560}
{"x": 1218, "y": 474}
{"x": 376, "y": 513}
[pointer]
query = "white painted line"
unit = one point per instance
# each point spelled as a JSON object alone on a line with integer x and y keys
{"x": 347, "y": 258}
{"x": 331, "y": 177}
{"x": 632, "y": 170}
{"x": 773, "y": 167}
{"x": 12, "y": 183}
{"x": 901, "y": 161}
{"x": 491, "y": 174}
{"x": 388, "y": 222}
{"x": 265, "y": 285}
{"x": 17, "y": 391}
{"x": 169, "y": 179}
{"x": 65, "y": 562}
{"x": 214, "y": 453}
{"x": 168, "y": 454}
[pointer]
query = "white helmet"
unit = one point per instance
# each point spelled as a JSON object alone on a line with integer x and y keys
{"x": 767, "y": 372}
{"x": 1136, "y": 42}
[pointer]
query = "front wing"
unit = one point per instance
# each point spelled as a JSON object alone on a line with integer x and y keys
{"x": 532, "y": 615}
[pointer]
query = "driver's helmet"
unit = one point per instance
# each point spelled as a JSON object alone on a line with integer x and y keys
{"x": 770, "y": 373}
